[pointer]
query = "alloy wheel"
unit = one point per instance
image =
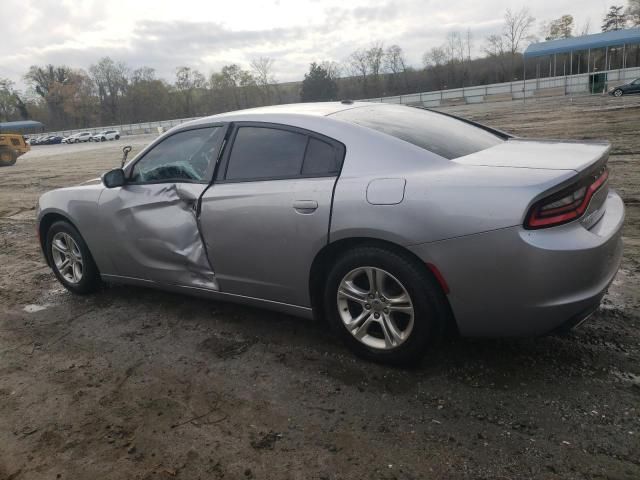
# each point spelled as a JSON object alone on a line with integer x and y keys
{"x": 375, "y": 308}
{"x": 67, "y": 257}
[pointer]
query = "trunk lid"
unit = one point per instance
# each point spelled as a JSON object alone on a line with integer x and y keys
{"x": 541, "y": 154}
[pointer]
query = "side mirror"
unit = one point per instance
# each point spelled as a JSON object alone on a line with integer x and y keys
{"x": 113, "y": 178}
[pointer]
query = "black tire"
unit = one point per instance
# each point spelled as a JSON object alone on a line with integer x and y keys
{"x": 102, "y": 139}
{"x": 90, "y": 280}
{"x": 431, "y": 311}
{"x": 618, "y": 93}
{"x": 8, "y": 158}
{"x": 117, "y": 137}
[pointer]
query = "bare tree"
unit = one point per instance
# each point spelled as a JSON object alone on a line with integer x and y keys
{"x": 263, "y": 72}
{"x": 454, "y": 47}
{"x": 375, "y": 57}
{"x": 332, "y": 68}
{"x": 434, "y": 60}
{"x": 584, "y": 29}
{"x": 435, "y": 57}
{"x": 517, "y": 28}
{"x": 396, "y": 64}
{"x": 496, "y": 50}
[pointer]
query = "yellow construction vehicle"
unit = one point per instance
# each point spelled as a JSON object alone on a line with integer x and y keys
{"x": 12, "y": 145}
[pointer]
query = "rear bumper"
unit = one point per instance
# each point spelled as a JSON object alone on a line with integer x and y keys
{"x": 517, "y": 282}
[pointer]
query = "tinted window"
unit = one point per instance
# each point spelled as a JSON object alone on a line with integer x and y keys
{"x": 440, "y": 134}
{"x": 320, "y": 159}
{"x": 186, "y": 156}
{"x": 260, "y": 153}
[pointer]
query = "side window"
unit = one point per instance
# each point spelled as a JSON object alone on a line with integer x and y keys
{"x": 262, "y": 153}
{"x": 187, "y": 156}
{"x": 320, "y": 159}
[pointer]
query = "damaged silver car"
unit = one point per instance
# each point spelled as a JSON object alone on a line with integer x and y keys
{"x": 394, "y": 223}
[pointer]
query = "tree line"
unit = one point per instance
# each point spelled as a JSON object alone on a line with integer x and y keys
{"x": 110, "y": 92}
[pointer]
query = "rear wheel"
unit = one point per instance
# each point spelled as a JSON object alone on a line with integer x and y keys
{"x": 71, "y": 259}
{"x": 8, "y": 157}
{"x": 117, "y": 137}
{"x": 617, "y": 92}
{"x": 384, "y": 306}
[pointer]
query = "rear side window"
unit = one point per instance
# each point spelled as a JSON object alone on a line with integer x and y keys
{"x": 445, "y": 136}
{"x": 320, "y": 159}
{"x": 263, "y": 153}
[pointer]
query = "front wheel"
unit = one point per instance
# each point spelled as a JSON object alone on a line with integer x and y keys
{"x": 8, "y": 157}
{"x": 117, "y": 137}
{"x": 71, "y": 259}
{"x": 617, "y": 92}
{"x": 384, "y": 305}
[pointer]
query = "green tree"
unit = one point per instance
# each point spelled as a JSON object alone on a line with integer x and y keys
{"x": 47, "y": 82}
{"x": 615, "y": 19}
{"x": 111, "y": 80}
{"x": 318, "y": 85}
{"x": 8, "y": 100}
{"x": 188, "y": 81}
{"x": 560, "y": 28}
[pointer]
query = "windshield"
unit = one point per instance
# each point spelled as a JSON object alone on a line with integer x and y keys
{"x": 443, "y": 135}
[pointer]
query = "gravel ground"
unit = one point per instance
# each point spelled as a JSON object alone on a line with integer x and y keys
{"x": 134, "y": 383}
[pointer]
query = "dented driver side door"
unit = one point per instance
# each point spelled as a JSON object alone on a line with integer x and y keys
{"x": 153, "y": 219}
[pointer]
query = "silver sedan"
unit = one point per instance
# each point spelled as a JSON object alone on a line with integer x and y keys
{"x": 393, "y": 223}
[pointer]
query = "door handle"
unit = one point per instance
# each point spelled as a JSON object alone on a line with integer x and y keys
{"x": 305, "y": 206}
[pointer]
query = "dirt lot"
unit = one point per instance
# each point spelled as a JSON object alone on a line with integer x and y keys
{"x": 133, "y": 383}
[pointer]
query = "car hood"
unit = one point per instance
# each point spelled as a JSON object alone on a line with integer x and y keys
{"x": 93, "y": 181}
{"x": 540, "y": 154}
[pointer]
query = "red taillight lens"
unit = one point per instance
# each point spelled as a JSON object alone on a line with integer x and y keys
{"x": 565, "y": 206}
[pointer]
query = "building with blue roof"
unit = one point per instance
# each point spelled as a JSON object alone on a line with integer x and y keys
{"x": 594, "y": 55}
{"x": 22, "y": 126}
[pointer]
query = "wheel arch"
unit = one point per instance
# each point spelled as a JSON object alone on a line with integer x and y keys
{"x": 44, "y": 225}
{"x": 326, "y": 256}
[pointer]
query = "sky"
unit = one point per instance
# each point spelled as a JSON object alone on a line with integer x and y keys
{"x": 209, "y": 34}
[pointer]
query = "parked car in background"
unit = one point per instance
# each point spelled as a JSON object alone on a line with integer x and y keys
{"x": 82, "y": 137}
{"x": 52, "y": 140}
{"x": 106, "y": 135}
{"x": 394, "y": 223}
{"x": 626, "y": 89}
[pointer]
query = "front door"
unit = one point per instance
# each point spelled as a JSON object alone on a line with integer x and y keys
{"x": 154, "y": 215}
{"x": 268, "y": 212}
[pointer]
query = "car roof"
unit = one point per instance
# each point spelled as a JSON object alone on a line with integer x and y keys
{"x": 318, "y": 109}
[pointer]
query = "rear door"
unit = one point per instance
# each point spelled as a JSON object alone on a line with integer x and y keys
{"x": 268, "y": 212}
{"x": 152, "y": 220}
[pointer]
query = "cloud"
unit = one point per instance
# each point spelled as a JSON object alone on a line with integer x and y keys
{"x": 206, "y": 36}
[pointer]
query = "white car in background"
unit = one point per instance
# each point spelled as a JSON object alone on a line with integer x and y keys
{"x": 82, "y": 137}
{"x": 106, "y": 135}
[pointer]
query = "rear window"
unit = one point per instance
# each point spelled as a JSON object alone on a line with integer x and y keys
{"x": 445, "y": 136}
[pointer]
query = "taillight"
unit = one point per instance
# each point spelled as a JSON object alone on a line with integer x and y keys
{"x": 565, "y": 206}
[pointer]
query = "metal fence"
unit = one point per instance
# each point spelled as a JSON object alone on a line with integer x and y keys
{"x": 536, "y": 87}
